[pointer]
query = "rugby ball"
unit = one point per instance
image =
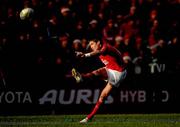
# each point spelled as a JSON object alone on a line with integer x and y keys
{"x": 26, "y": 13}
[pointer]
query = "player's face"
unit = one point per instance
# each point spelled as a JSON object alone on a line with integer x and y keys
{"x": 94, "y": 45}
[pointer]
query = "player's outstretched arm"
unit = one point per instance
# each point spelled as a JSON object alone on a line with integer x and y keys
{"x": 94, "y": 53}
{"x": 79, "y": 54}
{"x": 83, "y": 55}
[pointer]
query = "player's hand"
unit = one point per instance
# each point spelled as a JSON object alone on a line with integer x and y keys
{"x": 80, "y": 54}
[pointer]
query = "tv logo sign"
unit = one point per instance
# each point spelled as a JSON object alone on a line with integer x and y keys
{"x": 155, "y": 67}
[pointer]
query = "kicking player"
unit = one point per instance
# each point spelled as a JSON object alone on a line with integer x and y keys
{"x": 114, "y": 70}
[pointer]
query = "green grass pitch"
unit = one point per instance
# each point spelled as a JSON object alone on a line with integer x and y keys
{"x": 105, "y": 120}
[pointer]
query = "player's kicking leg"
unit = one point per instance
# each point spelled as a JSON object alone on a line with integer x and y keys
{"x": 99, "y": 73}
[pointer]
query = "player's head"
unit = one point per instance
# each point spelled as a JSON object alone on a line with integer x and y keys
{"x": 94, "y": 44}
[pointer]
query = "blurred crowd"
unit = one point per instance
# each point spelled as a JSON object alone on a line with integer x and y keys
{"x": 145, "y": 31}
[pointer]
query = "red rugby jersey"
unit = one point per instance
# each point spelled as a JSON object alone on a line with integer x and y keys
{"x": 111, "y": 57}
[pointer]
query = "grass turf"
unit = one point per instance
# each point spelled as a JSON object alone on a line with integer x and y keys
{"x": 106, "y": 120}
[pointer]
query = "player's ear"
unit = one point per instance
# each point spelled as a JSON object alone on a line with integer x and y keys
{"x": 99, "y": 43}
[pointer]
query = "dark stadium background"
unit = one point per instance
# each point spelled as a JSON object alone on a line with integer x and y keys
{"x": 37, "y": 54}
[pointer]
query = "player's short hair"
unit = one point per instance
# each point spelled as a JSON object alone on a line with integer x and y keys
{"x": 94, "y": 40}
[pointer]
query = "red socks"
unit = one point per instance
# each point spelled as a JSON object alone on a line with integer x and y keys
{"x": 94, "y": 110}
